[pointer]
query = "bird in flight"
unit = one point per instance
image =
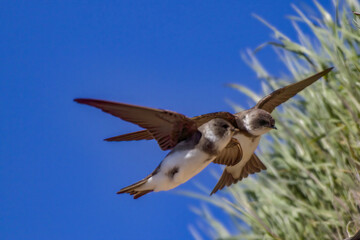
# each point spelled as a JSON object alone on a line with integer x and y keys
{"x": 238, "y": 155}
{"x": 193, "y": 147}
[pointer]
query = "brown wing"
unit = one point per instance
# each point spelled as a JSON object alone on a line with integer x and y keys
{"x": 252, "y": 166}
{"x": 134, "y": 136}
{"x": 231, "y": 155}
{"x": 200, "y": 120}
{"x": 274, "y": 99}
{"x": 168, "y": 128}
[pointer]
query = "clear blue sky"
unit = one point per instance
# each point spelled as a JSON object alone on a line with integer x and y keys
{"x": 58, "y": 178}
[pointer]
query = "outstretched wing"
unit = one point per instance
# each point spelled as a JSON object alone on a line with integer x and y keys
{"x": 274, "y": 99}
{"x": 200, "y": 120}
{"x": 167, "y": 127}
{"x": 254, "y": 165}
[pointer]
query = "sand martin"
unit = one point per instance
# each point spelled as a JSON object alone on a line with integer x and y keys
{"x": 238, "y": 155}
{"x": 193, "y": 147}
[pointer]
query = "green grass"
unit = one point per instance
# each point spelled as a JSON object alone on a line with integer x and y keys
{"x": 311, "y": 189}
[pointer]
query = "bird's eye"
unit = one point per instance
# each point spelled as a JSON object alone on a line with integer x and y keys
{"x": 225, "y": 126}
{"x": 263, "y": 122}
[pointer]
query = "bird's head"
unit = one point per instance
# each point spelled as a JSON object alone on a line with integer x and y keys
{"x": 258, "y": 122}
{"x": 219, "y": 131}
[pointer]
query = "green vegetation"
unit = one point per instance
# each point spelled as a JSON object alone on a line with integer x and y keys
{"x": 311, "y": 189}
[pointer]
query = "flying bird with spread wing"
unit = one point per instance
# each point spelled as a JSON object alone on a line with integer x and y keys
{"x": 238, "y": 155}
{"x": 193, "y": 147}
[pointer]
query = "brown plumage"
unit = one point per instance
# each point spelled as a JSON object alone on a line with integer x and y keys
{"x": 136, "y": 194}
{"x": 169, "y": 128}
{"x": 267, "y": 103}
{"x": 187, "y": 159}
{"x": 131, "y": 188}
{"x": 254, "y": 165}
{"x": 231, "y": 155}
{"x": 200, "y": 120}
{"x": 134, "y": 136}
{"x": 274, "y": 99}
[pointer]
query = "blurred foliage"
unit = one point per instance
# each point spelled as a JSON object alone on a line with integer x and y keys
{"x": 311, "y": 189}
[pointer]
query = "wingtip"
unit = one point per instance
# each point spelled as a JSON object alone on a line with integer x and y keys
{"x": 329, "y": 69}
{"x": 85, "y": 100}
{"x": 80, "y": 100}
{"x": 90, "y": 101}
{"x": 326, "y": 71}
{"x": 217, "y": 186}
{"x": 319, "y": 75}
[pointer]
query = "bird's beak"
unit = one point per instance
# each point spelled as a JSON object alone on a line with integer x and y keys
{"x": 273, "y": 127}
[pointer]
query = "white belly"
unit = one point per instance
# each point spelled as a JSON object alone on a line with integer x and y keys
{"x": 189, "y": 163}
{"x": 248, "y": 146}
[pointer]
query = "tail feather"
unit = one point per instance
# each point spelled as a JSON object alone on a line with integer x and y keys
{"x": 141, "y": 193}
{"x": 132, "y": 189}
{"x": 132, "y": 186}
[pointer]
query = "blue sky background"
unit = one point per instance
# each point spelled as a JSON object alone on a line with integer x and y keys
{"x": 58, "y": 178}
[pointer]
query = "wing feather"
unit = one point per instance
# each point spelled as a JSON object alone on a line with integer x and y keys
{"x": 167, "y": 127}
{"x": 254, "y": 165}
{"x": 274, "y": 99}
{"x": 134, "y": 136}
{"x": 231, "y": 154}
{"x": 200, "y": 120}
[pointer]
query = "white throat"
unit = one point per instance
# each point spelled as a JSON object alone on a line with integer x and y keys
{"x": 247, "y": 123}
